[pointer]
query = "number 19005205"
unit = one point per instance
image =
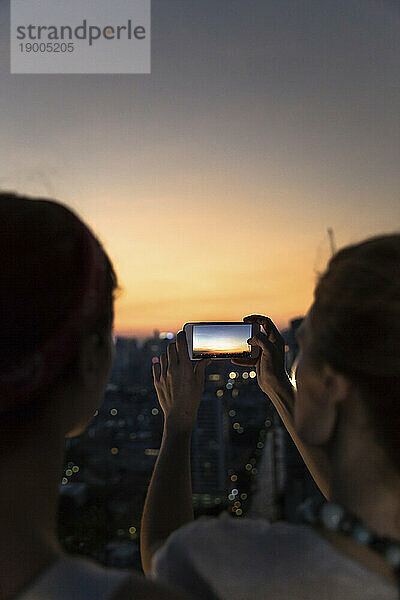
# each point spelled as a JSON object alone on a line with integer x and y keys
{"x": 47, "y": 47}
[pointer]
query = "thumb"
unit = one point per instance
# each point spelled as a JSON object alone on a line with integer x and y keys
{"x": 260, "y": 339}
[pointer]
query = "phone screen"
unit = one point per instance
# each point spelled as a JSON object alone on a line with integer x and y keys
{"x": 221, "y": 340}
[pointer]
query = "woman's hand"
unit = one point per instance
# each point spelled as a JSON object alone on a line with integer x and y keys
{"x": 270, "y": 363}
{"x": 169, "y": 500}
{"x": 178, "y": 385}
{"x": 273, "y": 380}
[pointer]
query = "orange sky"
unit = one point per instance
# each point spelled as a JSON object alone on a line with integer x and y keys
{"x": 223, "y": 262}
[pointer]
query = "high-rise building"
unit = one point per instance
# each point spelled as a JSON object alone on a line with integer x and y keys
{"x": 271, "y": 476}
{"x": 126, "y": 362}
{"x": 209, "y": 450}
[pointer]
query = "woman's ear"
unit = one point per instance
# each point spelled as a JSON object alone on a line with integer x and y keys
{"x": 90, "y": 359}
{"x": 318, "y": 402}
{"x": 337, "y": 386}
{"x": 89, "y": 385}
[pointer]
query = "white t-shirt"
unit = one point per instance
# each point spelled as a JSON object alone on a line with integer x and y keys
{"x": 75, "y": 578}
{"x": 252, "y": 559}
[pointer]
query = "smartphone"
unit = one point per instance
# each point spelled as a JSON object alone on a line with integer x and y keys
{"x": 221, "y": 340}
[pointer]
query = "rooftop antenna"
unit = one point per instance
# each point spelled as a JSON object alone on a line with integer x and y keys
{"x": 332, "y": 242}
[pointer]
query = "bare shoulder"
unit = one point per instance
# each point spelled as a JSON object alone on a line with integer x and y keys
{"x": 137, "y": 587}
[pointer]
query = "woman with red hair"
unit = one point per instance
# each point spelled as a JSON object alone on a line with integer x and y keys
{"x": 56, "y": 315}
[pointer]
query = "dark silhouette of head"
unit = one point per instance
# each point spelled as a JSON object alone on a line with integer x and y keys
{"x": 355, "y": 328}
{"x": 57, "y": 285}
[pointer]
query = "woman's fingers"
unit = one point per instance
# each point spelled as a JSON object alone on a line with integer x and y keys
{"x": 260, "y": 339}
{"x": 272, "y": 331}
{"x": 269, "y": 326}
{"x": 156, "y": 372}
{"x": 164, "y": 365}
{"x": 200, "y": 368}
{"x": 175, "y": 353}
{"x": 178, "y": 386}
{"x": 172, "y": 354}
{"x": 158, "y": 384}
{"x": 181, "y": 344}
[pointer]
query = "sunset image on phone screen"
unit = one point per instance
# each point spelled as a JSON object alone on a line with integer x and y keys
{"x": 221, "y": 339}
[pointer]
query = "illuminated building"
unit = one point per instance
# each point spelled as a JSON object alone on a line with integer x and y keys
{"x": 209, "y": 451}
{"x": 126, "y": 362}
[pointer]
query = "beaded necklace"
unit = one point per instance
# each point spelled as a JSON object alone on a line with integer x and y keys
{"x": 335, "y": 517}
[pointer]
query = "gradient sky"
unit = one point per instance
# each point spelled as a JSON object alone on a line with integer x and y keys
{"x": 212, "y": 181}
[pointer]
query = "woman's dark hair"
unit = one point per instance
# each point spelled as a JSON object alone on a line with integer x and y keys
{"x": 41, "y": 256}
{"x": 355, "y": 327}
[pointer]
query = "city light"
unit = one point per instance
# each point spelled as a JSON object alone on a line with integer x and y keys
{"x": 151, "y": 451}
{"x": 214, "y": 377}
{"x": 166, "y": 335}
{"x": 136, "y": 428}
